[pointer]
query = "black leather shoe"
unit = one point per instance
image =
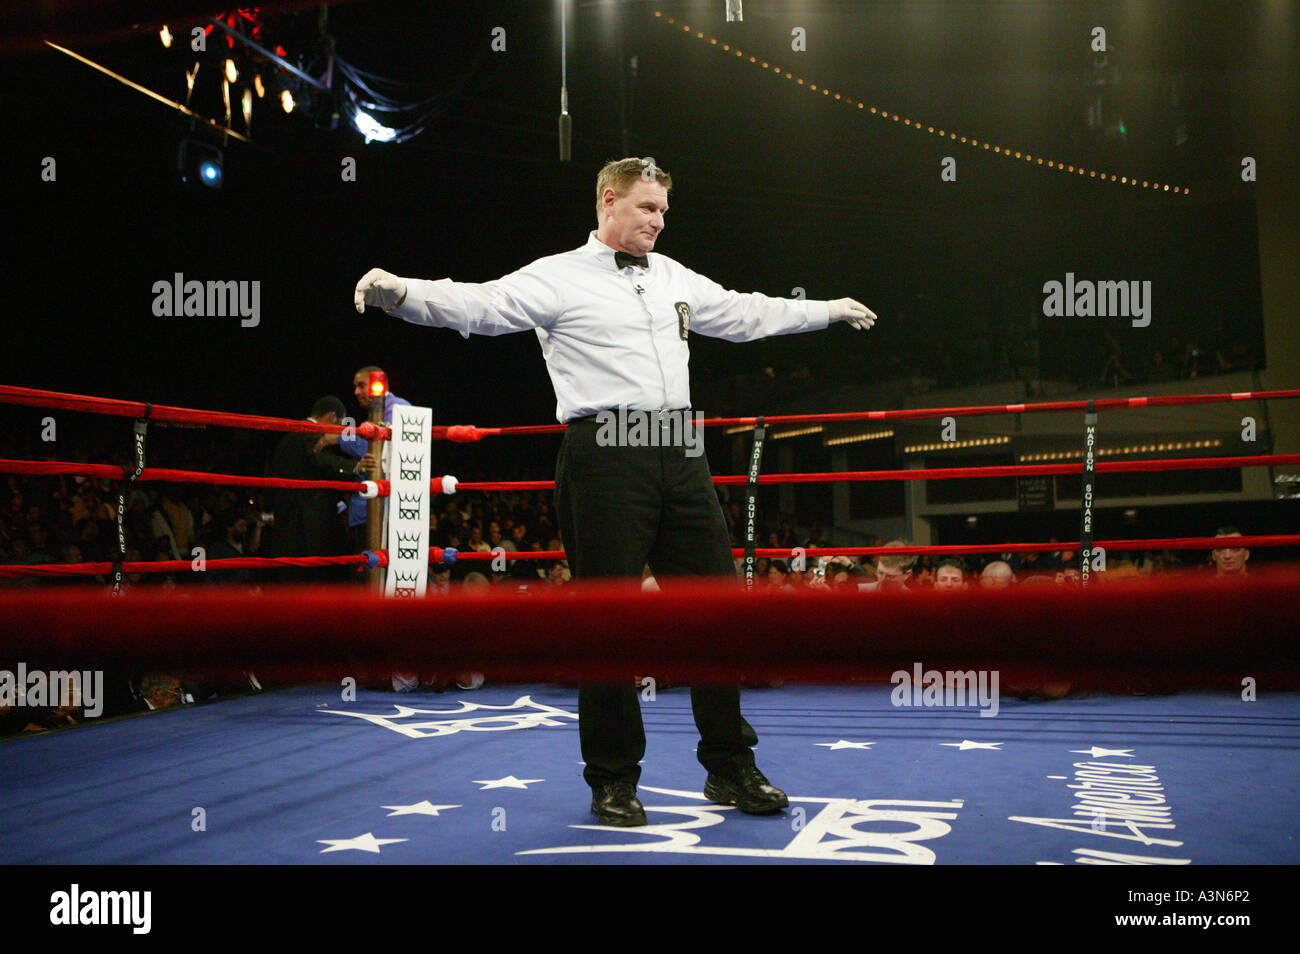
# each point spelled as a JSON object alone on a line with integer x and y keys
{"x": 748, "y": 790}
{"x": 617, "y": 804}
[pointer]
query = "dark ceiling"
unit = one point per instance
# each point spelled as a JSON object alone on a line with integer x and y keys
{"x": 777, "y": 187}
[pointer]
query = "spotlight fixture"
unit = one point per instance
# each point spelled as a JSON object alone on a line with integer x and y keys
{"x": 199, "y": 164}
{"x": 369, "y": 127}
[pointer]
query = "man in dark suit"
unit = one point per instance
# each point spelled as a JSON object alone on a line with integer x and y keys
{"x": 308, "y": 522}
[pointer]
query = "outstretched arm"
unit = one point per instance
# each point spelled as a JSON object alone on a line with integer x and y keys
{"x": 521, "y": 301}
{"x": 748, "y": 316}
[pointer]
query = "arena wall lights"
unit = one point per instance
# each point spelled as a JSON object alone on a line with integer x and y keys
{"x": 855, "y": 438}
{"x": 956, "y": 445}
{"x": 798, "y": 432}
{"x": 1124, "y": 450}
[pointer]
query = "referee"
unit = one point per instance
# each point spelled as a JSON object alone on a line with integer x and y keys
{"x": 613, "y": 318}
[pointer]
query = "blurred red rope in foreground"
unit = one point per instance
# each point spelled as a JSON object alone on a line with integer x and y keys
{"x": 1179, "y": 632}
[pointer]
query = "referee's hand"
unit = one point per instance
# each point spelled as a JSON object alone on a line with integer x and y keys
{"x": 379, "y": 288}
{"x": 855, "y": 313}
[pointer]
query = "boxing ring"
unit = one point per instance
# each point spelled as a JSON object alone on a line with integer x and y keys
{"x": 906, "y": 728}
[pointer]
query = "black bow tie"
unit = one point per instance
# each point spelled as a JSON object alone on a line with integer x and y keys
{"x": 623, "y": 260}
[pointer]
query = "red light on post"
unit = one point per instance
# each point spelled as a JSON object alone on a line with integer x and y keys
{"x": 378, "y": 384}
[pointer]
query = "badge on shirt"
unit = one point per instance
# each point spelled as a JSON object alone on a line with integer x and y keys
{"x": 683, "y": 319}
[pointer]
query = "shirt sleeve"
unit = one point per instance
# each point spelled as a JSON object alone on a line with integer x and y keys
{"x": 748, "y": 316}
{"x": 354, "y": 446}
{"x": 521, "y": 301}
{"x": 332, "y": 466}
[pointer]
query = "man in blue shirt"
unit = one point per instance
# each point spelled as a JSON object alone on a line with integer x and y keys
{"x": 355, "y": 446}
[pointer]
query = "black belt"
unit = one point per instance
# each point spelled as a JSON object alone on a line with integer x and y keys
{"x": 593, "y": 418}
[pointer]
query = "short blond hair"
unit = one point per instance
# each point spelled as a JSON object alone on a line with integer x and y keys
{"x": 621, "y": 174}
{"x": 903, "y": 561}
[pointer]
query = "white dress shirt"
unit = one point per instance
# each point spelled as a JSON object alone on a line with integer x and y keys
{"x": 611, "y": 337}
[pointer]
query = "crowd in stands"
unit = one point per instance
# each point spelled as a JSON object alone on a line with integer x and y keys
{"x": 998, "y": 571}
{"x": 1172, "y": 359}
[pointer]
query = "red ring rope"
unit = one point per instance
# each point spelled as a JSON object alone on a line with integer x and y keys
{"x": 469, "y": 432}
{"x": 1177, "y": 632}
{"x": 436, "y": 555}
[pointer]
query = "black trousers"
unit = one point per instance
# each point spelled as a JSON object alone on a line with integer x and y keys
{"x": 620, "y": 508}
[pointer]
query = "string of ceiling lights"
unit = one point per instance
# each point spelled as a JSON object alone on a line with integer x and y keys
{"x": 885, "y": 114}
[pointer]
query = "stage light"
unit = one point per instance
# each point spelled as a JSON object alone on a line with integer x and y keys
{"x": 258, "y": 86}
{"x": 246, "y": 105}
{"x": 232, "y": 74}
{"x": 199, "y": 163}
{"x": 166, "y": 36}
{"x": 286, "y": 100}
{"x": 368, "y": 127}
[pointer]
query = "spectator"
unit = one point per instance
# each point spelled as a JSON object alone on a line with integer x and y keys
{"x": 892, "y": 572}
{"x": 440, "y": 578}
{"x": 1229, "y": 562}
{"x": 162, "y": 534}
{"x": 476, "y": 542}
{"x": 1236, "y": 357}
{"x": 923, "y": 572}
{"x": 950, "y": 575}
{"x": 234, "y": 535}
{"x": 558, "y": 573}
{"x": 88, "y": 538}
{"x": 777, "y": 573}
{"x": 997, "y": 576}
{"x": 179, "y": 516}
